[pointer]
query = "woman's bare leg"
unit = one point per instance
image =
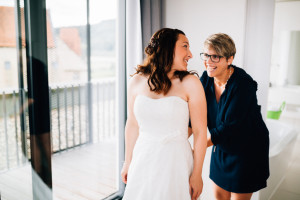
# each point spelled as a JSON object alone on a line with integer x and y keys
{"x": 242, "y": 196}
{"x": 220, "y": 193}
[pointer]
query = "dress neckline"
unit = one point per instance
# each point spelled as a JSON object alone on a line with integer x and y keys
{"x": 162, "y": 98}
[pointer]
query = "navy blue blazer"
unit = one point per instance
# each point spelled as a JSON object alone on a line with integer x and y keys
{"x": 235, "y": 123}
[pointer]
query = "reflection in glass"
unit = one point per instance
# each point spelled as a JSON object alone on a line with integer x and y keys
{"x": 15, "y": 169}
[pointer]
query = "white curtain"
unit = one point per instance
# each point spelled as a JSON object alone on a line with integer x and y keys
{"x": 143, "y": 18}
{"x": 134, "y": 52}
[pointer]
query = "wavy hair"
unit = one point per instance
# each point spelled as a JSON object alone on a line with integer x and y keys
{"x": 159, "y": 60}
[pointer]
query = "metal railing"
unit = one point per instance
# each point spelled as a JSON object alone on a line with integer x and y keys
{"x": 69, "y": 121}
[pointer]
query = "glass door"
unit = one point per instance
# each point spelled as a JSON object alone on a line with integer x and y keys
{"x": 15, "y": 168}
{"x": 67, "y": 146}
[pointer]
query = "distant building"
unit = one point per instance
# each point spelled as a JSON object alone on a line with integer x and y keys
{"x": 65, "y": 61}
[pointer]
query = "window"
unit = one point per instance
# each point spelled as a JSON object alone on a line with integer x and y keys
{"x": 83, "y": 80}
{"x": 7, "y": 65}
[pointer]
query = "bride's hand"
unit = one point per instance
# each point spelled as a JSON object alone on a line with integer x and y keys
{"x": 196, "y": 186}
{"x": 124, "y": 172}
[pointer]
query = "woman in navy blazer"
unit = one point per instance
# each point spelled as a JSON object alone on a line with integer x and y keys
{"x": 240, "y": 154}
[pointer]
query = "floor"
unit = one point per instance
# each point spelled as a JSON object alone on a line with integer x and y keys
{"x": 289, "y": 189}
{"x": 84, "y": 173}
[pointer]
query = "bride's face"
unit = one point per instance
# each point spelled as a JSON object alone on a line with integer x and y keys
{"x": 182, "y": 54}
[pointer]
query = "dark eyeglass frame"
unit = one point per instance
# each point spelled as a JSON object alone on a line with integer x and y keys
{"x": 209, "y": 57}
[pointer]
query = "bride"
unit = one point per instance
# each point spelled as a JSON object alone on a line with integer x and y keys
{"x": 162, "y": 96}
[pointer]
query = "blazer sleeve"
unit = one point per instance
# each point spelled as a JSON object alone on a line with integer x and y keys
{"x": 241, "y": 101}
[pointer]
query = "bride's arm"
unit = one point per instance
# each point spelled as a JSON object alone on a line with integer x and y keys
{"x": 131, "y": 130}
{"x": 198, "y": 115}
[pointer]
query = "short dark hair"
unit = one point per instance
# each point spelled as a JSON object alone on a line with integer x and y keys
{"x": 222, "y": 44}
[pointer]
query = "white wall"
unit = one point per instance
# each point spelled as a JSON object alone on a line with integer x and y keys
{"x": 199, "y": 19}
{"x": 248, "y": 22}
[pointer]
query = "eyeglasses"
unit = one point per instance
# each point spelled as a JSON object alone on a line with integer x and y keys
{"x": 213, "y": 58}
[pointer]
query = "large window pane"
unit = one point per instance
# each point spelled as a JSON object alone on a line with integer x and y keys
{"x": 83, "y": 119}
{"x": 84, "y": 151}
{"x": 103, "y": 19}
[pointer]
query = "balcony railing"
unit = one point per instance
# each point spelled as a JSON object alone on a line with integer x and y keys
{"x": 69, "y": 121}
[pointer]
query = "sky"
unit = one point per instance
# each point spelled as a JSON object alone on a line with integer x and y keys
{"x": 73, "y": 12}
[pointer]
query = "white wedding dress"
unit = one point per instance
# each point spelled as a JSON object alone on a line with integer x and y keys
{"x": 162, "y": 160}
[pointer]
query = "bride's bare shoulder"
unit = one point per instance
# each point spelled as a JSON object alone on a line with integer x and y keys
{"x": 190, "y": 79}
{"x": 137, "y": 79}
{"x": 192, "y": 83}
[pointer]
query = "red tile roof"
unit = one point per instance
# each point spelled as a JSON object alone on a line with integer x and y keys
{"x": 71, "y": 37}
{"x": 8, "y": 28}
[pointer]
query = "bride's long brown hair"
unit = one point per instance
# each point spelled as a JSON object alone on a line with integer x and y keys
{"x": 159, "y": 60}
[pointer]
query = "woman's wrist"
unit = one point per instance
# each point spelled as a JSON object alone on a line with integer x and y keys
{"x": 126, "y": 162}
{"x": 196, "y": 173}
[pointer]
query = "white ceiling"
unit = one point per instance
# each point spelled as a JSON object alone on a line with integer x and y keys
{"x": 285, "y": 0}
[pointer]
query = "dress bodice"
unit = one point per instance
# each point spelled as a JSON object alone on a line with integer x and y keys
{"x": 164, "y": 117}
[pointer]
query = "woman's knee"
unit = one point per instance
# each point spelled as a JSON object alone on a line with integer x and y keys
{"x": 222, "y": 196}
{"x": 242, "y": 196}
{"x": 220, "y": 193}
